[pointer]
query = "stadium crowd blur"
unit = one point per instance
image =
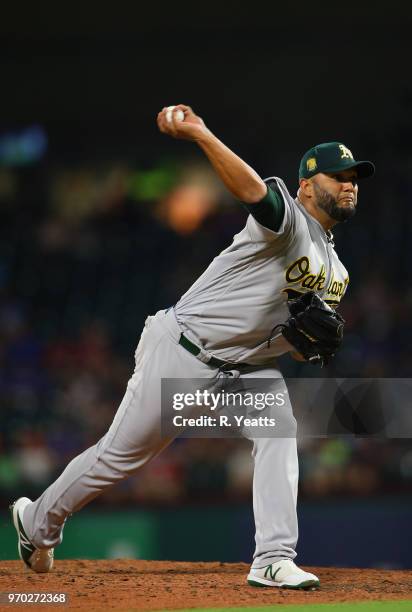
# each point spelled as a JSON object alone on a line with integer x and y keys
{"x": 88, "y": 251}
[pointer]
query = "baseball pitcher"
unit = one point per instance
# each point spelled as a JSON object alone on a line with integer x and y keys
{"x": 273, "y": 290}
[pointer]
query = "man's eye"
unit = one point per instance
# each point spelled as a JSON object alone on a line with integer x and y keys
{"x": 344, "y": 179}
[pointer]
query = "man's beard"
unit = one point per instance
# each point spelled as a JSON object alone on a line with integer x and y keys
{"x": 329, "y": 204}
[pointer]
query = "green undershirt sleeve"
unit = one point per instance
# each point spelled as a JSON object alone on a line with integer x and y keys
{"x": 270, "y": 211}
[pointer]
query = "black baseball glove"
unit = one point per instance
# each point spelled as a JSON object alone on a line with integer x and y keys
{"x": 314, "y": 329}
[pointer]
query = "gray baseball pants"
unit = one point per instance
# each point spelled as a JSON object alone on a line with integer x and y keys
{"x": 134, "y": 438}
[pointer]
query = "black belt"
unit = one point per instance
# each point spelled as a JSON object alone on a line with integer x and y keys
{"x": 195, "y": 350}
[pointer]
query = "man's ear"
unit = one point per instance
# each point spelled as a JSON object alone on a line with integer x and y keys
{"x": 306, "y": 187}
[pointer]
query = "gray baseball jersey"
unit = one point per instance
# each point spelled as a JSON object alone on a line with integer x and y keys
{"x": 232, "y": 308}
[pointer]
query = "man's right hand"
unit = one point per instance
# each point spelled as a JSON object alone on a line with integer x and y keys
{"x": 191, "y": 128}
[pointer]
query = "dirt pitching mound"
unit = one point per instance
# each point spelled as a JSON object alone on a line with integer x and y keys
{"x": 169, "y": 585}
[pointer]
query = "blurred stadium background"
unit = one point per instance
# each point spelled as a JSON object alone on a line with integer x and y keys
{"x": 104, "y": 221}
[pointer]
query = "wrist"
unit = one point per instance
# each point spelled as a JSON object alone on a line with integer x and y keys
{"x": 205, "y": 137}
{"x": 297, "y": 356}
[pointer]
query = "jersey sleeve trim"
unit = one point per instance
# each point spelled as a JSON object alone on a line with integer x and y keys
{"x": 270, "y": 211}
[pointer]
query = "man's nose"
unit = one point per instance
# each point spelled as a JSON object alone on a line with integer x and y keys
{"x": 349, "y": 185}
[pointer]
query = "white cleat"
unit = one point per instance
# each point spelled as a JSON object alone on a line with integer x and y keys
{"x": 39, "y": 560}
{"x": 285, "y": 574}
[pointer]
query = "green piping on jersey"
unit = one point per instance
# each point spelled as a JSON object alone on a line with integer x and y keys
{"x": 270, "y": 211}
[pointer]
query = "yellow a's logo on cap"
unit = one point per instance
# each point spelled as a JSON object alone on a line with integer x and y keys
{"x": 345, "y": 152}
{"x": 311, "y": 164}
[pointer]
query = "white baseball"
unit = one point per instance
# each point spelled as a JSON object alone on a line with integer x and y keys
{"x": 179, "y": 114}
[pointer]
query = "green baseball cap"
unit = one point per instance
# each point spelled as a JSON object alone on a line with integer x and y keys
{"x": 332, "y": 157}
